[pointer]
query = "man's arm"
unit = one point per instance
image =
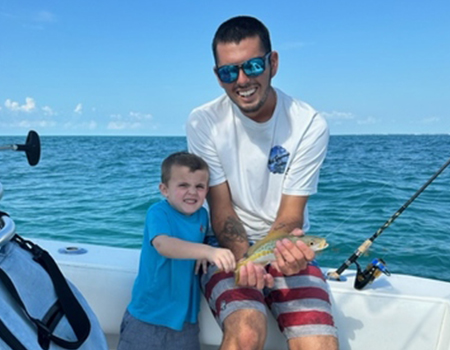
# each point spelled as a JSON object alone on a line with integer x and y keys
{"x": 231, "y": 234}
{"x": 291, "y": 258}
{"x": 226, "y": 225}
{"x": 290, "y": 213}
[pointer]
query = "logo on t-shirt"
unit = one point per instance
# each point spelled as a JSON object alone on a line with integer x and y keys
{"x": 202, "y": 229}
{"x": 278, "y": 159}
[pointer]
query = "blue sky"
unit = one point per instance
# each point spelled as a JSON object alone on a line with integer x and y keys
{"x": 139, "y": 67}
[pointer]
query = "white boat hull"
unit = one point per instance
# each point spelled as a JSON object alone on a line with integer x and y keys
{"x": 393, "y": 313}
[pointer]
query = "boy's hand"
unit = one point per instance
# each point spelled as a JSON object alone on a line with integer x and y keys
{"x": 201, "y": 264}
{"x": 222, "y": 258}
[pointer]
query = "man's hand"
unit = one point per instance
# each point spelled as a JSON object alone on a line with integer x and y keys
{"x": 253, "y": 275}
{"x": 291, "y": 258}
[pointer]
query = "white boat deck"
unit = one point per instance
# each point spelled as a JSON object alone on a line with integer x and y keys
{"x": 394, "y": 313}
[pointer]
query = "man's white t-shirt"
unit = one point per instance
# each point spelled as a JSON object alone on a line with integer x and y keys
{"x": 260, "y": 161}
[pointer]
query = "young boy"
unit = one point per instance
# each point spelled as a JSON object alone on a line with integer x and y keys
{"x": 163, "y": 311}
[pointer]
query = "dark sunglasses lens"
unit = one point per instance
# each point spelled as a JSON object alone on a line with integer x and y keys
{"x": 254, "y": 67}
{"x": 228, "y": 74}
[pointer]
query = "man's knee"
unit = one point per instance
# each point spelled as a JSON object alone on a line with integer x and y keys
{"x": 246, "y": 329}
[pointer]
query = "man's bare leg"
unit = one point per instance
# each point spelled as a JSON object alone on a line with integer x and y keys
{"x": 244, "y": 330}
{"x": 318, "y": 342}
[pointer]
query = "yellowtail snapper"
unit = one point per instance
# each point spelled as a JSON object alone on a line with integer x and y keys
{"x": 262, "y": 251}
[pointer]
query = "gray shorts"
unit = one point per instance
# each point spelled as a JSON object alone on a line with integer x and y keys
{"x": 138, "y": 335}
{"x": 300, "y": 303}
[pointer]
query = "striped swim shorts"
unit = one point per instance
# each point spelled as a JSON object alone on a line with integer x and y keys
{"x": 300, "y": 303}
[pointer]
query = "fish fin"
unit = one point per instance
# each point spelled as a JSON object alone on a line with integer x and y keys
{"x": 277, "y": 233}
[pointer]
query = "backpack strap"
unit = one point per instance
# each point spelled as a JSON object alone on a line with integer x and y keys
{"x": 10, "y": 338}
{"x": 68, "y": 303}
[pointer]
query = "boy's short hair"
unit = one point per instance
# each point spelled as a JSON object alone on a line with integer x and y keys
{"x": 239, "y": 28}
{"x": 192, "y": 161}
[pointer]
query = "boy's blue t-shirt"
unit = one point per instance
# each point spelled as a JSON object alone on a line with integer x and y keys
{"x": 166, "y": 291}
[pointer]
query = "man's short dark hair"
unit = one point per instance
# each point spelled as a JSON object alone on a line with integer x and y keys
{"x": 239, "y": 28}
{"x": 192, "y": 161}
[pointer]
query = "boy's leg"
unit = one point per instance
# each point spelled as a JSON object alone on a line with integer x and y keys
{"x": 138, "y": 335}
{"x": 187, "y": 339}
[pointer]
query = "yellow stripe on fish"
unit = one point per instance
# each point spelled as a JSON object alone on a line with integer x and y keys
{"x": 262, "y": 251}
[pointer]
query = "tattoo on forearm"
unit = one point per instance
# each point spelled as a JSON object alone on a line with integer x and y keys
{"x": 232, "y": 232}
{"x": 287, "y": 226}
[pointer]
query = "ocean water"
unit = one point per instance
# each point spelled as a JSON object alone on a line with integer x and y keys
{"x": 97, "y": 190}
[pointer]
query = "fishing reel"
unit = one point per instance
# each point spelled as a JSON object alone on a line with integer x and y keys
{"x": 377, "y": 266}
{"x": 32, "y": 148}
{"x": 372, "y": 271}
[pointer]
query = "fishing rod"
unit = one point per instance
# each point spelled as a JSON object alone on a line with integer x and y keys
{"x": 32, "y": 148}
{"x": 377, "y": 266}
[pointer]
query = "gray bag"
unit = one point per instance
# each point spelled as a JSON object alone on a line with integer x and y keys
{"x": 39, "y": 308}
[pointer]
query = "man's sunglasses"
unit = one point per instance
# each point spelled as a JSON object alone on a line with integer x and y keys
{"x": 252, "y": 68}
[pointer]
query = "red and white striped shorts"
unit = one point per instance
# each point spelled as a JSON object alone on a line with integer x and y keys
{"x": 300, "y": 303}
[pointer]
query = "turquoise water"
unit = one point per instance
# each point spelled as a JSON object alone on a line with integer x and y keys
{"x": 97, "y": 190}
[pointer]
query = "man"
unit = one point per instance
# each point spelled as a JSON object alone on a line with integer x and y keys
{"x": 264, "y": 150}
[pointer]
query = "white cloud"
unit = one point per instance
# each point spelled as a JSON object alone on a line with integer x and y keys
{"x": 27, "y": 123}
{"x": 368, "y": 120}
{"x": 133, "y": 120}
{"x": 140, "y": 116}
{"x": 48, "y": 111}
{"x": 92, "y": 125}
{"x": 121, "y": 125}
{"x": 46, "y": 123}
{"x": 430, "y": 120}
{"x": 337, "y": 118}
{"x": 335, "y": 115}
{"x": 88, "y": 125}
{"x": 29, "y": 106}
{"x": 78, "y": 109}
{"x": 24, "y": 124}
{"x": 116, "y": 116}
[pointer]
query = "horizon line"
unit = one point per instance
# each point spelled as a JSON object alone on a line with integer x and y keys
{"x": 131, "y": 135}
